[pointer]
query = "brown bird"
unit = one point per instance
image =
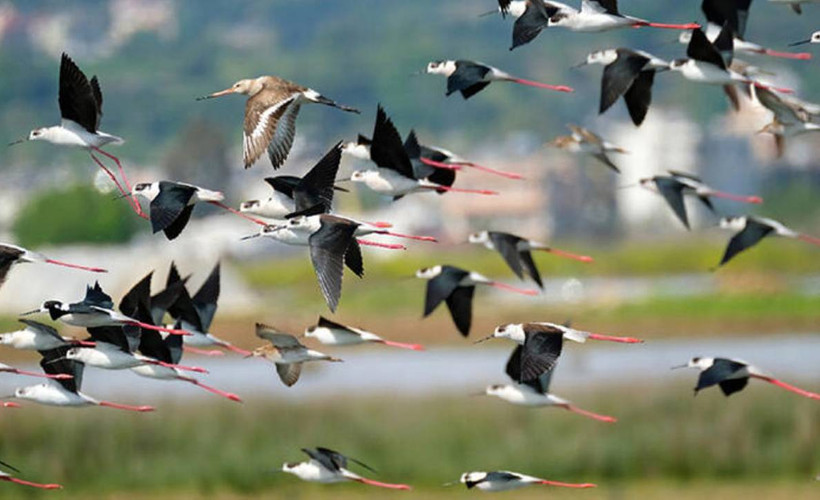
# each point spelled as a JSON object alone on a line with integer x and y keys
{"x": 286, "y": 352}
{"x": 584, "y": 141}
{"x": 270, "y": 115}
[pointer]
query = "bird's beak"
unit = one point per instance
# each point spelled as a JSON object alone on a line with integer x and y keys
{"x": 35, "y": 311}
{"x": 485, "y": 339}
{"x": 251, "y": 236}
{"x": 343, "y": 179}
{"x": 801, "y": 42}
{"x": 488, "y": 13}
{"x": 251, "y": 355}
{"x": 679, "y": 366}
{"x": 18, "y": 141}
{"x": 418, "y": 73}
{"x": 216, "y": 94}
{"x": 57, "y": 359}
{"x": 451, "y": 483}
{"x": 476, "y": 394}
{"x": 580, "y": 65}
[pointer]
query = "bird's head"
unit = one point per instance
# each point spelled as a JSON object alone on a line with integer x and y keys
{"x": 697, "y": 362}
{"x": 311, "y": 331}
{"x": 72, "y": 353}
{"x": 677, "y": 64}
{"x": 479, "y": 237}
{"x": 735, "y": 223}
{"x": 250, "y": 206}
{"x": 38, "y": 134}
{"x": 147, "y": 190}
{"x": 604, "y": 57}
{"x": 428, "y": 272}
{"x": 472, "y": 478}
{"x": 497, "y": 390}
{"x": 363, "y": 175}
{"x": 248, "y": 86}
{"x": 445, "y": 68}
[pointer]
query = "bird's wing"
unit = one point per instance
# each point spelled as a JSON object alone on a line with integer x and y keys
{"x": 41, "y": 328}
{"x": 441, "y": 287}
{"x": 52, "y": 366}
{"x": 169, "y": 204}
{"x": 529, "y": 266}
{"x": 722, "y": 12}
{"x": 542, "y": 348}
{"x": 507, "y": 245}
{"x": 206, "y": 298}
{"x": 283, "y": 184}
{"x": 639, "y": 96}
{"x": 98, "y": 98}
{"x": 269, "y": 125}
{"x": 751, "y": 234}
{"x": 95, "y": 296}
{"x": 8, "y": 256}
{"x": 76, "y": 98}
{"x": 289, "y": 373}
{"x": 534, "y": 19}
{"x": 316, "y": 187}
{"x": 279, "y": 339}
{"x": 139, "y": 294}
{"x": 586, "y": 135}
{"x": 720, "y": 370}
{"x": 783, "y": 111}
{"x": 701, "y": 49}
{"x": 387, "y": 150}
{"x": 183, "y": 309}
{"x": 732, "y": 386}
{"x": 600, "y": 6}
{"x": 326, "y": 323}
{"x": 619, "y": 76}
{"x": 340, "y": 459}
{"x": 353, "y": 258}
{"x": 672, "y": 192}
{"x": 460, "y": 305}
{"x": 328, "y": 247}
{"x": 467, "y": 75}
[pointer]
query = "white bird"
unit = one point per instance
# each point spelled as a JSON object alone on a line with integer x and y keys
{"x": 328, "y": 466}
{"x": 603, "y": 15}
{"x": 503, "y": 480}
{"x": 37, "y": 336}
{"x": 331, "y": 333}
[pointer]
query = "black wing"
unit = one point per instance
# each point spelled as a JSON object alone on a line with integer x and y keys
{"x": 751, "y": 234}
{"x": 535, "y": 19}
{"x": 8, "y": 256}
{"x": 387, "y": 149}
{"x": 721, "y": 12}
{"x": 342, "y": 460}
{"x": 722, "y": 370}
{"x": 206, "y": 298}
{"x": 183, "y": 310}
{"x": 460, "y": 305}
{"x": 507, "y": 245}
{"x": 77, "y": 100}
{"x": 468, "y": 78}
{"x": 51, "y": 366}
{"x": 540, "y": 384}
{"x": 725, "y": 44}
{"x": 328, "y": 247}
{"x": 442, "y": 286}
{"x": 701, "y": 49}
{"x": 732, "y": 386}
{"x": 316, "y": 187}
{"x": 95, "y": 296}
{"x": 672, "y": 192}
{"x": 116, "y": 335}
{"x": 41, "y": 328}
{"x": 530, "y": 267}
{"x": 283, "y": 184}
{"x": 140, "y": 294}
{"x": 540, "y": 353}
{"x": 162, "y": 301}
{"x": 171, "y": 205}
{"x": 609, "y": 6}
{"x": 326, "y": 323}
{"x": 639, "y": 96}
{"x": 619, "y": 76}
{"x": 353, "y": 258}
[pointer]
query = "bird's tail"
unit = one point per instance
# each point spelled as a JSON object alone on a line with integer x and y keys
{"x": 314, "y": 96}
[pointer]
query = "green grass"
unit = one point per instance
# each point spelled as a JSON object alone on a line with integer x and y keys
{"x": 761, "y": 434}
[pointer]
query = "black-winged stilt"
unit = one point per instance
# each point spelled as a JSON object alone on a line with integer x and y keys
{"x": 331, "y": 333}
{"x": 470, "y": 77}
{"x": 531, "y": 17}
{"x": 37, "y": 336}
{"x": 603, "y": 15}
{"x": 328, "y": 466}
{"x": 13, "y": 254}
{"x": 792, "y": 117}
{"x": 8, "y": 477}
{"x": 504, "y": 480}
{"x": 751, "y": 229}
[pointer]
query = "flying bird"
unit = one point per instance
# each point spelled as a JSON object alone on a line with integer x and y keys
{"x": 456, "y": 287}
{"x": 331, "y": 333}
{"x": 751, "y": 229}
{"x": 629, "y": 74}
{"x": 584, "y": 141}
{"x": 676, "y": 185}
{"x": 286, "y": 352}
{"x": 270, "y": 115}
{"x": 792, "y": 117}
{"x": 13, "y": 254}
{"x": 470, "y": 77}
{"x": 814, "y": 38}
{"x": 80, "y": 112}
{"x": 441, "y": 158}
{"x": 9, "y": 478}
{"x": 531, "y": 17}
{"x": 37, "y": 336}
{"x": 732, "y": 375}
{"x": 328, "y": 466}
{"x": 503, "y": 480}
{"x": 603, "y": 15}
{"x": 796, "y": 5}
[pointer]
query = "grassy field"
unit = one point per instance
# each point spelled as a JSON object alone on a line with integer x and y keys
{"x": 665, "y": 442}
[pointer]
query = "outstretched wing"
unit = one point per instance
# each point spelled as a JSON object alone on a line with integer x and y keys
{"x": 328, "y": 247}
{"x": 169, "y": 205}
{"x": 77, "y": 100}
{"x": 316, "y": 187}
{"x": 468, "y": 77}
{"x": 672, "y": 192}
{"x": 507, "y": 245}
{"x": 387, "y": 149}
{"x": 751, "y": 234}
{"x": 206, "y": 298}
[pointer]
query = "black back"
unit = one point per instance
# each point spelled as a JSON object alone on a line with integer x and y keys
{"x": 205, "y": 299}
{"x": 328, "y": 247}
{"x": 387, "y": 149}
{"x": 639, "y": 96}
{"x": 619, "y": 76}
{"x": 701, "y": 49}
{"x": 507, "y": 245}
{"x": 332, "y": 460}
{"x": 672, "y": 192}
{"x": 539, "y": 354}
{"x": 326, "y": 323}
{"x": 534, "y": 19}
{"x": 170, "y": 210}
{"x": 468, "y": 78}
{"x": 442, "y": 286}
{"x": 750, "y": 236}
{"x": 79, "y": 101}
{"x": 460, "y": 305}
{"x": 721, "y": 372}
{"x": 52, "y": 366}
{"x": 732, "y": 12}
{"x": 95, "y": 296}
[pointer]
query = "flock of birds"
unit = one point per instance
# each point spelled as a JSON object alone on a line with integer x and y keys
{"x": 136, "y": 334}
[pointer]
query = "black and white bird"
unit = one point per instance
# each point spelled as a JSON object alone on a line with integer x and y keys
{"x": 675, "y": 186}
{"x": 517, "y": 252}
{"x": 292, "y": 195}
{"x": 9, "y": 478}
{"x": 603, "y": 15}
{"x": 96, "y": 309}
{"x": 80, "y": 112}
{"x": 470, "y": 77}
{"x": 332, "y": 245}
{"x": 629, "y": 74}
{"x": 751, "y": 229}
{"x": 504, "y": 480}
{"x": 441, "y": 158}
{"x": 286, "y": 352}
{"x": 331, "y": 333}
{"x": 814, "y": 38}
{"x": 796, "y": 5}
{"x": 520, "y": 332}
{"x": 270, "y": 115}
{"x": 584, "y": 141}
{"x": 13, "y": 254}
{"x": 792, "y": 117}
{"x": 328, "y": 466}
{"x": 37, "y": 336}
{"x": 531, "y": 17}
{"x": 456, "y": 287}
{"x": 65, "y": 392}
{"x": 732, "y": 375}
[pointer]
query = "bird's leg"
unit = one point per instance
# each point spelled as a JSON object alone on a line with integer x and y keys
{"x": 131, "y": 199}
{"x": 371, "y": 482}
{"x": 596, "y": 416}
{"x": 610, "y": 338}
{"x": 75, "y": 266}
{"x": 559, "y": 88}
{"x": 237, "y": 212}
{"x": 783, "y": 90}
{"x": 510, "y": 288}
{"x": 567, "y": 255}
{"x": 407, "y": 236}
{"x": 509, "y": 175}
{"x": 401, "y": 345}
{"x": 195, "y": 369}
{"x": 29, "y": 483}
{"x": 788, "y": 387}
{"x": 458, "y": 190}
{"x": 203, "y": 352}
{"x": 567, "y": 485}
{"x": 438, "y": 164}
{"x": 119, "y": 406}
{"x": 172, "y": 331}
{"x": 58, "y": 376}
{"x": 9, "y": 404}
{"x": 119, "y": 166}
{"x": 735, "y": 197}
{"x": 809, "y": 239}
{"x": 388, "y": 246}
{"x": 688, "y": 26}
{"x": 803, "y": 56}
{"x": 218, "y": 392}
{"x": 233, "y": 348}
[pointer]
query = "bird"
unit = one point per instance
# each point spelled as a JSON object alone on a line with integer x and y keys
{"x": 193, "y": 314}
{"x": 796, "y": 5}
{"x": 38, "y": 336}
{"x": 470, "y": 77}
{"x": 395, "y": 174}
{"x": 792, "y": 117}
{"x": 676, "y": 185}
{"x": 13, "y": 254}
{"x": 735, "y": 14}
{"x": 456, "y": 287}
{"x": 814, "y": 38}
{"x": 441, "y": 158}
{"x": 517, "y": 252}
{"x": 331, "y": 333}
{"x": 80, "y": 103}
{"x": 332, "y": 245}
{"x": 629, "y": 74}
{"x": 172, "y": 203}
{"x": 286, "y": 352}
{"x": 751, "y": 229}
{"x": 4, "y": 368}
{"x": 504, "y": 480}
{"x": 584, "y": 141}
{"x": 6, "y": 476}
{"x": 270, "y": 115}
{"x": 535, "y": 392}
{"x": 732, "y": 375}
{"x": 328, "y": 466}
{"x": 603, "y": 15}
{"x": 96, "y": 309}
{"x": 531, "y": 17}
{"x": 294, "y": 195}
{"x": 65, "y": 392}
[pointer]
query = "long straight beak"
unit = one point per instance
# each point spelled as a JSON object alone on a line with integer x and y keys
{"x": 485, "y": 339}
{"x": 216, "y": 94}
{"x": 580, "y": 65}
{"x": 35, "y": 311}
{"x": 344, "y": 179}
{"x": 679, "y": 366}
{"x": 488, "y": 13}
{"x": 801, "y": 42}
{"x": 17, "y": 141}
{"x": 251, "y": 236}
{"x": 63, "y": 358}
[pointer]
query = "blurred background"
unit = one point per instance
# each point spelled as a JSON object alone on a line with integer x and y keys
{"x": 409, "y": 414}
